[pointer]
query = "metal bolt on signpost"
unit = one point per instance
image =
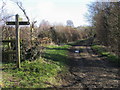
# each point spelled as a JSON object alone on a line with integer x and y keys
{"x": 17, "y": 23}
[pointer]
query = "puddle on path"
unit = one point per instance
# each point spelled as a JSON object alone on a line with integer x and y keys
{"x": 77, "y": 51}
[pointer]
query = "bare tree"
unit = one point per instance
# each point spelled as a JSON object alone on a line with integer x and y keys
{"x": 70, "y": 23}
{"x": 3, "y": 13}
{"x": 105, "y": 18}
{"x": 45, "y": 25}
{"x": 20, "y": 5}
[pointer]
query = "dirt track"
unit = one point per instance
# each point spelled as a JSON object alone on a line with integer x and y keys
{"x": 88, "y": 70}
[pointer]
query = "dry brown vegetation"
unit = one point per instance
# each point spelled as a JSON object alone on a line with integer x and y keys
{"x": 58, "y": 34}
{"x": 33, "y": 42}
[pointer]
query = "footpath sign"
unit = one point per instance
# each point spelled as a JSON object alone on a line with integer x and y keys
{"x": 17, "y": 23}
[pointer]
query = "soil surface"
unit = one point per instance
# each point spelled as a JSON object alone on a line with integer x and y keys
{"x": 88, "y": 70}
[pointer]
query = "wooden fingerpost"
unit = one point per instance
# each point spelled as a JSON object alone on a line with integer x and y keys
{"x": 17, "y": 23}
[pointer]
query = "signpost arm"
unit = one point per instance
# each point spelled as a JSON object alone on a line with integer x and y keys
{"x": 17, "y": 41}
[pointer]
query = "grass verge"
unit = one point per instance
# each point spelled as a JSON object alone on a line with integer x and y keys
{"x": 78, "y": 42}
{"x": 37, "y": 73}
{"x": 103, "y": 51}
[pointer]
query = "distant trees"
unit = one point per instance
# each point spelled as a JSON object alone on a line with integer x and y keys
{"x": 105, "y": 17}
{"x": 59, "y": 33}
{"x": 70, "y": 23}
{"x": 44, "y": 25}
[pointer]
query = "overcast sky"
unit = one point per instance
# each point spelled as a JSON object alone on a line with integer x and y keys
{"x": 53, "y": 10}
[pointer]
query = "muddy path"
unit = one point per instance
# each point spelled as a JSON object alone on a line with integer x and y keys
{"x": 88, "y": 70}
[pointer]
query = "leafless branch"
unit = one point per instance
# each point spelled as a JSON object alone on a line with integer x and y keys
{"x": 19, "y": 4}
{"x": 22, "y": 8}
{"x": 2, "y": 16}
{"x": 6, "y": 17}
{"x": 3, "y": 5}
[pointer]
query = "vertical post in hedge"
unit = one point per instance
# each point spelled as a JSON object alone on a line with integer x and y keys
{"x": 17, "y": 41}
{"x": 17, "y": 23}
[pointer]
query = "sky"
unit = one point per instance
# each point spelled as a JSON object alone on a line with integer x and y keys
{"x": 54, "y": 11}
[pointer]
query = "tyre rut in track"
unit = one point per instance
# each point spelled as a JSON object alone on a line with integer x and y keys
{"x": 90, "y": 70}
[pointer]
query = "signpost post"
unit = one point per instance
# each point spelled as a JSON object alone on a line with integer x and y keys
{"x": 17, "y": 23}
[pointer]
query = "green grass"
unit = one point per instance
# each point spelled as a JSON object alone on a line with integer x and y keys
{"x": 57, "y": 53}
{"x": 34, "y": 74}
{"x": 103, "y": 51}
{"x": 78, "y": 42}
